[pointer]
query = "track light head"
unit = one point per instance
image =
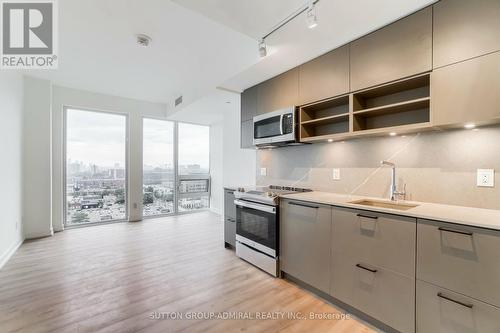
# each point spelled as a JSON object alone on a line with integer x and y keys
{"x": 262, "y": 48}
{"x": 311, "y": 18}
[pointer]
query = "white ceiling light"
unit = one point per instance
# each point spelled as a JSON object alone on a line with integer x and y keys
{"x": 262, "y": 48}
{"x": 311, "y": 18}
{"x": 143, "y": 40}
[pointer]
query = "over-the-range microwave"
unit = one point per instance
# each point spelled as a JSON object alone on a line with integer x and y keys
{"x": 275, "y": 129}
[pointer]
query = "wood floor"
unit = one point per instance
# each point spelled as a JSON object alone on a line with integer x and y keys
{"x": 113, "y": 278}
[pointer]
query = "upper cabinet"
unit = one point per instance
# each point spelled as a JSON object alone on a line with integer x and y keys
{"x": 325, "y": 76}
{"x": 279, "y": 92}
{"x": 464, "y": 29}
{"x": 467, "y": 92}
{"x": 399, "y": 50}
{"x": 249, "y": 104}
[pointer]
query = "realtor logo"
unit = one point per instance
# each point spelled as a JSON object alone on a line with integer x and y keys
{"x": 28, "y": 34}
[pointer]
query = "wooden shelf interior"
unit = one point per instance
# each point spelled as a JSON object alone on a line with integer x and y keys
{"x": 396, "y": 104}
{"x": 325, "y": 118}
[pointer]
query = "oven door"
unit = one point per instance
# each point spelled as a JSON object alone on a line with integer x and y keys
{"x": 256, "y": 226}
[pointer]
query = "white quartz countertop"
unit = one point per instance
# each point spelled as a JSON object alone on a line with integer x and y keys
{"x": 477, "y": 217}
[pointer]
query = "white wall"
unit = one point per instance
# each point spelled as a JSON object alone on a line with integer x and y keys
{"x": 135, "y": 110}
{"x": 11, "y": 101}
{"x": 37, "y": 162}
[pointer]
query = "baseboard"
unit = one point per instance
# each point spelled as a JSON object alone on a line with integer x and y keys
{"x": 36, "y": 235}
{"x": 8, "y": 254}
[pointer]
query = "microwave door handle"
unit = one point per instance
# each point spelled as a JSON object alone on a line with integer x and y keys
{"x": 281, "y": 125}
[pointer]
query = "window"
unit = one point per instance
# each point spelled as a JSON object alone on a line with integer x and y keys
{"x": 96, "y": 182}
{"x": 194, "y": 167}
{"x": 158, "y": 167}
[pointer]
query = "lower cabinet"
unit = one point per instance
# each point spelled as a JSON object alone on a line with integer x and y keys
{"x": 373, "y": 265}
{"x": 305, "y": 242}
{"x": 442, "y": 311}
{"x": 230, "y": 231}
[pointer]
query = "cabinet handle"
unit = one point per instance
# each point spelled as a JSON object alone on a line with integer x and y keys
{"x": 468, "y": 233}
{"x": 467, "y": 305}
{"x": 366, "y": 268}
{"x": 368, "y": 216}
{"x": 302, "y": 205}
{"x": 230, "y": 192}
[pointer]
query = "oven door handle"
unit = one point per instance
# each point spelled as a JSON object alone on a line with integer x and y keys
{"x": 256, "y": 206}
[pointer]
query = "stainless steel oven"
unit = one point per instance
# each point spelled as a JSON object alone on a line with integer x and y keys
{"x": 257, "y": 234}
{"x": 275, "y": 128}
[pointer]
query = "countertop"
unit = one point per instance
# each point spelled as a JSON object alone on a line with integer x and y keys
{"x": 477, "y": 217}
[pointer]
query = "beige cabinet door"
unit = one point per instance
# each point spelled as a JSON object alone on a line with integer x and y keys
{"x": 464, "y": 29}
{"x": 441, "y": 310}
{"x": 399, "y": 50}
{"x": 249, "y": 103}
{"x": 305, "y": 242}
{"x": 324, "y": 77}
{"x": 279, "y": 92}
{"x": 466, "y": 92}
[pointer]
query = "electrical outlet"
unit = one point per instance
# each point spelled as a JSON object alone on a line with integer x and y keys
{"x": 263, "y": 171}
{"x": 336, "y": 174}
{"x": 486, "y": 177}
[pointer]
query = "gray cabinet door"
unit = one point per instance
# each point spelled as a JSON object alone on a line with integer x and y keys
{"x": 249, "y": 104}
{"x": 230, "y": 231}
{"x": 229, "y": 206}
{"x": 441, "y": 310}
{"x": 305, "y": 242}
{"x": 279, "y": 92}
{"x": 465, "y": 29}
{"x": 459, "y": 258}
{"x": 466, "y": 92}
{"x": 247, "y": 134}
{"x": 399, "y": 50}
{"x": 325, "y": 76}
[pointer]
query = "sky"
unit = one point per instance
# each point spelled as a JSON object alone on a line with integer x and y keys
{"x": 100, "y": 138}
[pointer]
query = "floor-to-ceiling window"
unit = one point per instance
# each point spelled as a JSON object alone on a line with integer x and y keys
{"x": 96, "y": 175}
{"x": 194, "y": 167}
{"x": 158, "y": 167}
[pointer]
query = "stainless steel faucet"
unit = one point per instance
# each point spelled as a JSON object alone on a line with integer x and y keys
{"x": 394, "y": 192}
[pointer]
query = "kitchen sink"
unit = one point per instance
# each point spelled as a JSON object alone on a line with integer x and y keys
{"x": 384, "y": 204}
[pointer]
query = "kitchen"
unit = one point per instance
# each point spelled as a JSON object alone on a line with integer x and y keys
{"x": 375, "y": 180}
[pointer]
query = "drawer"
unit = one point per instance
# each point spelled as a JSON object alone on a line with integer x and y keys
{"x": 230, "y": 231}
{"x": 460, "y": 258}
{"x": 383, "y": 240}
{"x": 384, "y": 295}
{"x": 442, "y": 311}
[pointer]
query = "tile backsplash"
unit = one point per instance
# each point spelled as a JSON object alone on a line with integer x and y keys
{"x": 437, "y": 167}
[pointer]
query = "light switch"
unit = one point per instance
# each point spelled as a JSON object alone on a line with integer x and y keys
{"x": 486, "y": 177}
{"x": 336, "y": 174}
{"x": 263, "y": 171}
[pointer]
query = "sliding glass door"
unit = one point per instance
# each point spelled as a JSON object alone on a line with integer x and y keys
{"x": 158, "y": 168}
{"x": 95, "y": 173}
{"x": 194, "y": 167}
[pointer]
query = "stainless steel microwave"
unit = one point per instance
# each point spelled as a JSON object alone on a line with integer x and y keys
{"x": 277, "y": 128}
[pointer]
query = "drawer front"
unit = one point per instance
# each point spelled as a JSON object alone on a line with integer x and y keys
{"x": 460, "y": 258}
{"x": 230, "y": 230}
{"x": 383, "y": 240}
{"x": 229, "y": 206}
{"x": 384, "y": 295}
{"x": 305, "y": 242}
{"x": 442, "y": 311}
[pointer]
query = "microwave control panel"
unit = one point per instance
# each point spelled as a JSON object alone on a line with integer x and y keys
{"x": 287, "y": 123}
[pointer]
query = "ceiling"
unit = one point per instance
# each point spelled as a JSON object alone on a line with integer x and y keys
{"x": 199, "y": 44}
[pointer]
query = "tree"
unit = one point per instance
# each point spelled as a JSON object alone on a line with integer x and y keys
{"x": 80, "y": 217}
{"x": 147, "y": 198}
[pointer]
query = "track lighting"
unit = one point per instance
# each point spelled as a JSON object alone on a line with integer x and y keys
{"x": 311, "y": 18}
{"x": 262, "y": 48}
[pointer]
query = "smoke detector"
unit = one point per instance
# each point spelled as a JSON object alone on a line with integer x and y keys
{"x": 143, "y": 40}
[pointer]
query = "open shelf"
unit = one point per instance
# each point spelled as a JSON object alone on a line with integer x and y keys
{"x": 400, "y": 103}
{"x": 324, "y": 118}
